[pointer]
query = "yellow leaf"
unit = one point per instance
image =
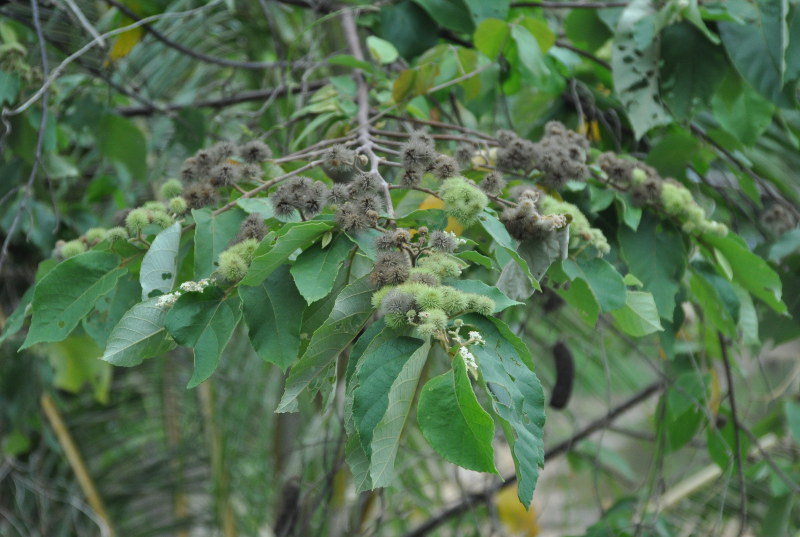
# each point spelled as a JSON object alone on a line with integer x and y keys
{"x": 432, "y": 202}
{"x": 513, "y": 514}
{"x": 716, "y": 394}
{"x": 125, "y": 42}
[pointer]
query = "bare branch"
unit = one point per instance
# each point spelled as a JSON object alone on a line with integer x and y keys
{"x": 737, "y": 440}
{"x": 555, "y": 451}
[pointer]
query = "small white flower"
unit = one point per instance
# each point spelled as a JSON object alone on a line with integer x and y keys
{"x": 166, "y": 301}
{"x": 469, "y": 359}
{"x": 477, "y": 337}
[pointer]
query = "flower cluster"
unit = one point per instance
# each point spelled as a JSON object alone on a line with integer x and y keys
{"x": 169, "y": 299}
{"x": 475, "y": 338}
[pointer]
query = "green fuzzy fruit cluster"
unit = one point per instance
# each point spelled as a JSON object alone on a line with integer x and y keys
{"x": 462, "y": 200}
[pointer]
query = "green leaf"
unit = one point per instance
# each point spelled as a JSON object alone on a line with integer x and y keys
{"x": 673, "y": 154}
{"x": 377, "y": 370}
{"x": 212, "y": 234}
{"x": 787, "y": 244}
{"x": 315, "y": 270}
{"x": 273, "y": 313}
{"x": 138, "y": 335}
{"x": 386, "y": 436}
{"x": 381, "y": 51}
{"x": 517, "y": 397}
{"x": 408, "y": 27}
{"x": 606, "y": 283}
{"x": 481, "y": 10}
{"x": 260, "y": 206}
{"x": 581, "y": 297}
{"x": 109, "y": 309}
{"x": 714, "y": 308}
{"x": 291, "y": 237}
{"x": 655, "y": 254}
{"x": 639, "y": 316}
{"x": 68, "y": 293}
{"x": 635, "y": 61}
{"x": 498, "y": 232}
{"x": 204, "y": 321}
{"x": 501, "y": 301}
{"x": 491, "y": 37}
{"x": 450, "y": 14}
{"x": 684, "y": 412}
{"x": 454, "y": 423}
{"x": 122, "y": 141}
{"x": 777, "y": 520}
{"x": 16, "y": 320}
{"x": 529, "y": 52}
{"x": 792, "y": 410}
{"x": 540, "y": 253}
{"x": 160, "y": 263}
{"x": 475, "y": 257}
{"x": 585, "y": 29}
{"x": 692, "y": 68}
{"x": 351, "y": 311}
{"x": 749, "y": 270}
{"x": 757, "y": 49}
{"x": 9, "y": 87}
{"x": 740, "y": 110}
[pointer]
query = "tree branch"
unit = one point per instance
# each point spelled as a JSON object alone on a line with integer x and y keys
{"x": 362, "y": 98}
{"x": 193, "y": 53}
{"x": 555, "y": 451}
{"x": 222, "y": 102}
{"x": 737, "y": 440}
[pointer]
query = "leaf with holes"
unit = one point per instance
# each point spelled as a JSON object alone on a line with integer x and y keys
{"x": 160, "y": 263}
{"x": 138, "y": 335}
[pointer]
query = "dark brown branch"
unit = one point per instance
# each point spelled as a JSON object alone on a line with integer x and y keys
{"x": 570, "y": 5}
{"x": 557, "y": 450}
{"x": 737, "y": 440}
{"x": 193, "y": 53}
{"x": 563, "y": 44}
{"x": 222, "y": 102}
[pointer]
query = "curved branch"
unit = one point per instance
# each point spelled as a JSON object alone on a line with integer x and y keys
{"x": 557, "y": 450}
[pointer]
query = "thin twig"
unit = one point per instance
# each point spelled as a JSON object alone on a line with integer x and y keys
{"x": 555, "y": 451}
{"x": 85, "y": 22}
{"x": 55, "y": 73}
{"x": 199, "y": 55}
{"x": 222, "y": 102}
{"x": 37, "y": 157}
{"x": 570, "y": 5}
{"x": 737, "y": 441}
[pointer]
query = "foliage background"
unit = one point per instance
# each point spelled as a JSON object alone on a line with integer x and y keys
{"x": 709, "y": 98}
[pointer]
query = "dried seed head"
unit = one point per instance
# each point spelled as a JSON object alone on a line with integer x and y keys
{"x": 255, "y": 152}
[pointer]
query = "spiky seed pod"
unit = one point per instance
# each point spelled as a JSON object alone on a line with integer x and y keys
{"x": 462, "y": 200}
{"x": 177, "y": 205}
{"x": 422, "y": 137}
{"x": 251, "y": 172}
{"x": 252, "y": 227}
{"x": 442, "y": 241}
{"x": 445, "y": 167}
{"x": 339, "y": 164}
{"x": 440, "y": 264}
{"x": 396, "y": 301}
{"x": 224, "y": 174}
{"x": 618, "y": 170}
{"x": 530, "y": 194}
{"x": 560, "y": 160}
{"x": 349, "y": 219}
{"x": 422, "y": 276}
{"x": 162, "y": 220}
{"x": 453, "y": 300}
{"x": 200, "y": 195}
{"x": 364, "y": 183}
{"x": 190, "y": 170}
{"x": 117, "y": 234}
{"x": 368, "y": 202}
{"x": 171, "y": 188}
{"x": 493, "y": 184}
{"x": 463, "y": 155}
{"x": 246, "y": 249}
{"x": 518, "y": 154}
{"x": 429, "y": 297}
{"x": 646, "y": 193}
{"x": 72, "y": 248}
{"x": 411, "y": 178}
{"x": 340, "y": 193}
{"x": 314, "y": 199}
{"x": 391, "y": 268}
{"x": 136, "y": 221}
{"x": 95, "y": 235}
{"x": 255, "y": 152}
{"x": 417, "y": 155}
{"x": 480, "y": 304}
{"x": 505, "y": 137}
{"x": 385, "y": 241}
{"x": 155, "y": 206}
{"x": 778, "y": 219}
{"x": 222, "y": 151}
{"x": 232, "y": 267}
{"x": 204, "y": 161}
